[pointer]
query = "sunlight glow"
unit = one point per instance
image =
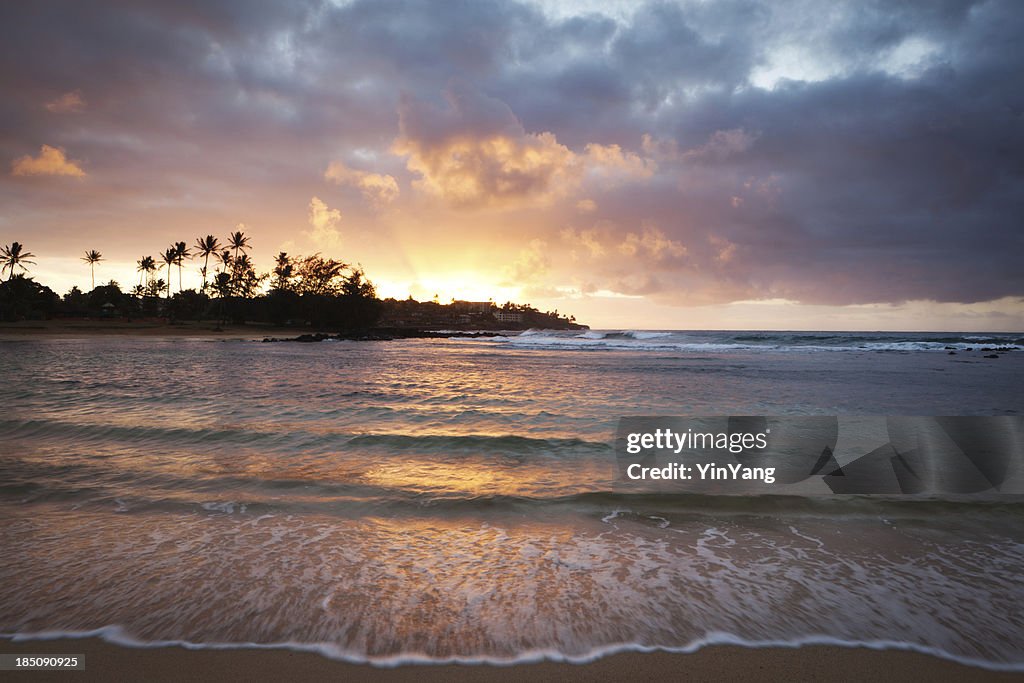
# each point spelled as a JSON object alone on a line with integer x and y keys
{"x": 463, "y": 285}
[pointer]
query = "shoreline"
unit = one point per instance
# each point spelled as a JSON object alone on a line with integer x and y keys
{"x": 107, "y": 661}
{"x": 255, "y": 332}
{"x": 141, "y": 328}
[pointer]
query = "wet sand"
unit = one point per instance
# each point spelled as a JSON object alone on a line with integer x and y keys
{"x": 107, "y": 662}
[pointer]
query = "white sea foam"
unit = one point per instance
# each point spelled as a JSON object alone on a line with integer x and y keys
{"x": 225, "y": 507}
{"x": 639, "y": 340}
{"x": 646, "y": 334}
{"x": 117, "y": 635}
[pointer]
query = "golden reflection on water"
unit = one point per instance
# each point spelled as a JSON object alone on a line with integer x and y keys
{"x": 474, "y": 478}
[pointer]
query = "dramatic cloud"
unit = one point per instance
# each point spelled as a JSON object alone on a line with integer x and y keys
{"x": 377, "y": 188}
{"x": 834, "y": 154}
{"x": 613, "y": 163}
{"x": 51, "y": 161}
{"x": 475, "y": 152}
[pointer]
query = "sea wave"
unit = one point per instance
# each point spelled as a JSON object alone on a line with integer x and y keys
{"x": 297, "y": 439}
{"x": 725, "y": 342}
{"x": 118, "y": 635}
{"x": 548, "y": 492}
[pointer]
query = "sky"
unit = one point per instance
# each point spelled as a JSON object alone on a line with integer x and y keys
{"x": 739, "y": 164}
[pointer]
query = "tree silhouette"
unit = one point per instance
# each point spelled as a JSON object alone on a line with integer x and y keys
{"x": 312, "y": 290}
{"x": 146, "y": 266}
{"x": 283, "y": 271}
{"x": 181, "y": 253}
{"x": 14, "y": 256}
{"x": 237, "y": 241}
{"x": 222, "y": 285}
{"x": 170, "y": 257}
{"x": 319, "y": 276}
{"x": 154, "y": 287}
{"x": 244, "y": 280}
{"x": 205, "y": 246}
{"x": 92, "y": 257}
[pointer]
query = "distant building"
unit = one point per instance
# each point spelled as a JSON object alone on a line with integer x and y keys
{"x": 472, "y": 306}
{"x": 508, "y": 317}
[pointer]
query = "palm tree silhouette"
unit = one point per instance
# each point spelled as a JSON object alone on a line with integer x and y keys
{"x": 13, "y": 257}
{"x": 205, "y": 246}
{"x": 170, "y": 257}
{"x": 227, "y": 268}
{"x": 283, "y": 270}
{"x": 92, "y": 257}
{"x": 225, "y": 259}
{"x": 146, "y": 266}
{"x": 237, "y": 240}
{"x": 181, "y": 253}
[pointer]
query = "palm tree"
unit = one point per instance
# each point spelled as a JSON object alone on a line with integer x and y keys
{"x": 146, "y": 266}
{"x": 14, "y": 257}
{"x": 205, "y": 246}
{"x": 237, "y": 240}
{"x": 283, "y": 270}
{"x": 225, "y": 259}
{"x": 170, "y": 257}
{"x": 227, "y": 266}
{"x": 180, "y": 253}
{"x": 92, "y": 257}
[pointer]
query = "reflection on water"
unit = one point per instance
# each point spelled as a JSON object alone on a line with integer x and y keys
{"x": 451, "y": 499}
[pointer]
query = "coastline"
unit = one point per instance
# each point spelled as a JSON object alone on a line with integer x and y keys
{"x": 255, "y": 332}
{"x": 107, "y": 661}
{"x": 140, "y": 328}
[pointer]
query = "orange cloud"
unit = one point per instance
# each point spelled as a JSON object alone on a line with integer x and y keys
{"x": 653, "y": 243}
{"x": 476, "y": 153}
{"x": 497, "y": 170}
{"x": 612, "y": 162}
{"x": 324, "y": 220}
{"x": 377, "y": 188}
{"x": 588, "y": 239}
{"x": 51, "y": 161}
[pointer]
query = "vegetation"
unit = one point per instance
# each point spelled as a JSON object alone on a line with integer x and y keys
{"x": 471, "y": 315}
{"x": 92, "y": 257}
{"x": 22, "y": 298}
{"x": 303, "y": 291}
{"x": 205, "y": 247}
{"x": 14, "y": 256}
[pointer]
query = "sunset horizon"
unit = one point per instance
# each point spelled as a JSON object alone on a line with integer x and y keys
{"x": 749, "y": 184}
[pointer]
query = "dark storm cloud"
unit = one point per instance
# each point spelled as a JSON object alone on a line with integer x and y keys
{"x": 893, "y": 170}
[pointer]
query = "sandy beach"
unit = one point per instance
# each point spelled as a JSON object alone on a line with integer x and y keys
{"x": 105, "y": 662}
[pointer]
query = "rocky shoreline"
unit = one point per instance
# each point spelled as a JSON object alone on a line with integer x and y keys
{"x": 384, "y": 334}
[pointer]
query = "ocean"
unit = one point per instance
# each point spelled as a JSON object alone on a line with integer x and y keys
{"x": 445, "y": 500}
